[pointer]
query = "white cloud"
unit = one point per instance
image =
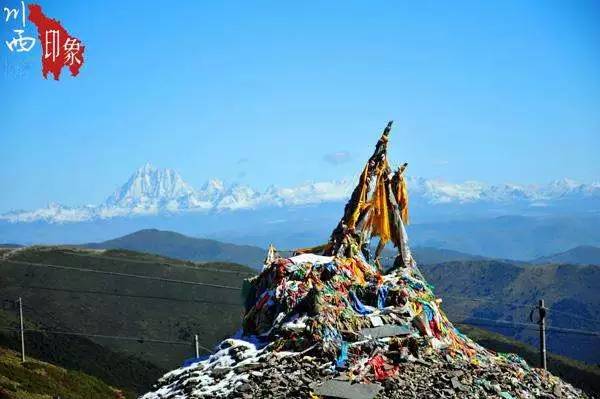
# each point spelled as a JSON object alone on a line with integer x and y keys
{"x": 338, "y": 157}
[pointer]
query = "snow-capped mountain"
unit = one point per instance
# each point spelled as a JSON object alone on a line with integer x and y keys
{"x": 149, "y": 187}
{"x": 151, "y": 191}
{"x": 440, "y": 192}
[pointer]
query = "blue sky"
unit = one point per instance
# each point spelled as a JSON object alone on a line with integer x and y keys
{"x": 286, "y": 92}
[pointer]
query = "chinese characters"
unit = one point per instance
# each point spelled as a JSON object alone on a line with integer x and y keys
{"x": 59, "y": 49}
{"x": 20, "y": 42}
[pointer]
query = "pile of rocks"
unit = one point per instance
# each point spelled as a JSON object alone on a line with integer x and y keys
{"x": 238, "y": 370}
{"x": 318, "y": 326}
{"x": 328, "y": 323}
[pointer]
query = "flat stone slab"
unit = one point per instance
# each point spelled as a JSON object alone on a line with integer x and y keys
{"x": 346, "y": 390}
{"x": 388, "y": 330}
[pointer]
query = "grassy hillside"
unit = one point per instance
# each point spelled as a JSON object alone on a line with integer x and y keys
{"x": 582, "y": 255}
{"x": 79, "y": 353}
{"x": 579, "y": 374}
{"x": 70, "y": 300}
{"x": 179, "y": 246}
{"x": 39, "y": 380}
{"x": 491, "y": 290}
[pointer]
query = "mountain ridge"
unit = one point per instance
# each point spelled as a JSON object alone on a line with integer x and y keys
{"x": 580, "y": 255}
{"x": 152, "y": 191}
{"x": 179, "y": 246}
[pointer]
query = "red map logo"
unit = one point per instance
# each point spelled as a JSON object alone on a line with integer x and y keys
{"x": 59, "y": 48}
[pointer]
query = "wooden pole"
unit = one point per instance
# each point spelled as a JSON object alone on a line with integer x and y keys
{"x": 542, "y": 323}
{"x": 22, "y": 330}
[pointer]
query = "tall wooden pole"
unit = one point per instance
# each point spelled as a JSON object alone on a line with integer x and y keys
{"x": 542, "y": 324}
{"x": 22, "y": 330}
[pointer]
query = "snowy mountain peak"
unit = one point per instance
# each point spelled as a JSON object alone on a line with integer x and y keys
{"x": 146, "y": 168}
{"x": 565, "y": 183}
{"x": 151, "y": 190}
{"x": 238, "y": 197}
{"x": 150, "y": 185}
{"x": 212, "y": 190}
{"x": 563, "y": 187}
{"x": 214, "y": 184}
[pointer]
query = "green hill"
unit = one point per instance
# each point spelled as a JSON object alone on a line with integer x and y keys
{"x": 491, "y": 290}
{"x": 39, "y": 380}
{"x": 113, "y": 304}
{"x": 179, "y": 246}
{"x": 129, "y": 373}
{"x": 581, "y": 255}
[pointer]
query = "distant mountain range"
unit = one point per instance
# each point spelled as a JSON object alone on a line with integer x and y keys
{"x": 581, "y": 255}
{"x": 501, "y": 221}
{"x": 179, "y": 246}
{"x": 151, "y": 191}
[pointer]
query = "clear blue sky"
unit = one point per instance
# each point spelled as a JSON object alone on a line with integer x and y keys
{"x": 261, "y": 92}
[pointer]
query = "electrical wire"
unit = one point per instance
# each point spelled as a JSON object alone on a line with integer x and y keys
{"x": 530, "y": 326}
{"x": 198, "y": 267}
{"x": 489, "y": 301}
{"x": 119, "y": 274}
{"x": 504, "y": 322}
{"x": 550, "y": 309}
{"x": 568, "y": 314}
{"x": 118, "y": 294}
{"x": 118, "y": 337}
{"x": 491, "y": 324}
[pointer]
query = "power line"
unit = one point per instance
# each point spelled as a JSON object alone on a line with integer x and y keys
{"x": 557, "y": 329}
{"x": 505, "y": 322}
{"x": 197, "y": 267}
{"x": 119, "y": 274}
{"x": 551, "y": 309}
{"x": 527, "y": 326}
{"x": 118, "y": 294}
{"x": 491, "y": 324}
{"x": 488, "y": 300}
{"x": 125, "y": 338}
{"x": 573, "y": 331}
{"x": 473, "y": 299}
{"x": 568, "y": 314}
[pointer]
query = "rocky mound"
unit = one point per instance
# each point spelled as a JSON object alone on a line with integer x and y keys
{"x": 327, "y": 326}
{"x": 328, "y": 323}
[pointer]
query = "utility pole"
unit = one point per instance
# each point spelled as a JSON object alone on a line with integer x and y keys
{"x": 22, "y": 330}
{"x": 197, "y": 345}
{"x": 542, "y": 323}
